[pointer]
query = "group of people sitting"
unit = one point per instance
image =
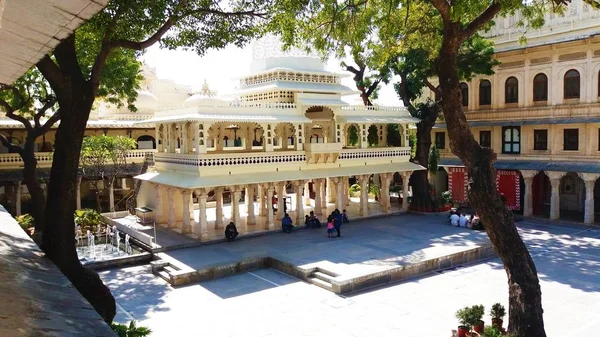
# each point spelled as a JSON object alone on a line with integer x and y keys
{"x": 459, "y": 218}
{"x": 334, "y": 223}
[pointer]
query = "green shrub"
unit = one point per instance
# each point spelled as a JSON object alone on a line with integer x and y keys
{"x": 470, "y": 316}
{"x": 355, "y": 188}
{"x": 88, "y": 219}
{"x": 491, "y": 331}
{"x": 498, "y": 311}
{"x": 374, "y": 189}
{"x": 132, "y": 330}
{"x": 25, "y": 221}
{"x": 396, "y": 189}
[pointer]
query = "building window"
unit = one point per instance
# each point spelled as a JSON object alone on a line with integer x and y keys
{"x": 485, "y": 93}
{"x": 540, "y": 139}
{"x": 511, "y": 90}
{"x": 464, "y": 93}
{"x": 485, "y": 138}
{"x": 571, "y": 84}
{"x": 571, "y": 139}
{"x": 440, "y": 140}
{"x": 511, "y": 139}
{"x": 540, "y": 88}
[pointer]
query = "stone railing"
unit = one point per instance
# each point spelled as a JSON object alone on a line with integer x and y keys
{"x": 536, "y": 112}
{"x": 262, "y": 105}
{"x": 373, "y": 108}
{"x": 283, "y": 157}
{"x": 561, "y": 156}
{"x": 44, "y": 159}
{"x": 384, "y": 152}
{"x": 224, "y": 159}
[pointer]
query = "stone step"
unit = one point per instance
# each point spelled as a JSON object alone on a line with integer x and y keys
{"x": 326, "y": 272}
{"x": 164, "y": 275}
{"x": 323, "y": 276}
{"x": 320, "y": 283}
{"x": 170, "y": 269}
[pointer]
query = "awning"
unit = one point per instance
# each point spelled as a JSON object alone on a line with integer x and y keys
{"x": 188, "y": 180}
{"x": 228, "y": 118}
{"x": 379, "y": 119}
{"x": 321, "y": 102}
{"x": 534, "y": 165}
{"x": 541, "y": 121}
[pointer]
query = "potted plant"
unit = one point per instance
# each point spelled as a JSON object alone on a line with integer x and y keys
{"x": 470, "y": 319}
{"x": 497, "y": 312}
{"x": 491, "y": 331}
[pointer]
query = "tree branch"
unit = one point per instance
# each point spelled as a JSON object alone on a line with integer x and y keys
{"x": 104, "y": 50}
{"x": 443, "y": 7}
{"x": 47, "y": 125}
{"x": 42, "y": 111}
{"x": 52, "y": 74}
{"x": 11, "y": 147}
{"x": 486, "y": 16}
{"x": 404, "y": 92}
{"x": 372, "y": 87}
{"x": 66, "y": 57}
{"x": 23, "y": 120}
{"x": 435, "y": 90}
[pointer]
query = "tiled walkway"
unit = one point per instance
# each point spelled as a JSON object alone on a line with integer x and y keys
{"x": 268, "y": 303}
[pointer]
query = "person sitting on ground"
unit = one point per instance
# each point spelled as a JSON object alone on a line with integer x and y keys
{"x": 454, "y": 219}
{"x": 345, "y": 217}
{"x": 462, "y": 220}
{"x": 287, "y": 224}
{"x": 231, "y": 231}
{"x": 330, "y": 227}
{"x": 307, "y": 221}
{"x": 315, "y": 222}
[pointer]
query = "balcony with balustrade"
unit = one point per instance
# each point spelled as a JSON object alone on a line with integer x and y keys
{"x": 44, "y": 159}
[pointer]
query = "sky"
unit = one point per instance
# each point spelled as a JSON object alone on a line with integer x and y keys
{"x": 221, "y": 67}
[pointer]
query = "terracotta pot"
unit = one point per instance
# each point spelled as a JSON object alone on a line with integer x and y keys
{"x": 479, "y": 327}
{"x": 497, "y": 322}
{"x": 462, "y": 331}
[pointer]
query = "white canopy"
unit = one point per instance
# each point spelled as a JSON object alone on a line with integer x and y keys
{"x": 229, "y": 118}
{"x": 379, "y": 119}
{"x": 180, "y": 179}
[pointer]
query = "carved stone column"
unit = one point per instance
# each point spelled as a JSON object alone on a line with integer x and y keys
{"x": 186, "y": 227}
{"x": 346, "y": 191}
{"x": 280, "y": 202}
{"x": 331, "y": 194}
{"x": 318, "y": 202}
{"x": 219, "y": 207}
{"x": 555, "y": 197}
{"x": 405, "y": 180}
{"x": 158, "y": 208}
{"x": 385, "y": 192}
{"x": 236, "y": 195}
{"x": 363, "y": 181}
{"x": 111, "y": 197}
{"x": 307, "y": 194}
{"x": 251, "y": 219}
{"x": 339, "y": 182}
{"x": 528, "y": 202}
{"x": 18, "y": 198}
{"x": 270, "y": 223}
{"x": 171, "y": 207}
{"x": 261, "y": 200}
{"x": 184, "y": 141}
{"x": 202, "y": 228}
{"x": 299, "y": 187}
{"x": 323, "y": 195}
{"x": 78, "y": 197}
{"x": 590, "y": 181}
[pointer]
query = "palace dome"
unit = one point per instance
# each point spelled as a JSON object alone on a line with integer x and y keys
{"x": 204, "y": 97}
{"x": 146, "y": 101}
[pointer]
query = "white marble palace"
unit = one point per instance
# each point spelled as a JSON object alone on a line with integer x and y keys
{"x": 287, "y": 142}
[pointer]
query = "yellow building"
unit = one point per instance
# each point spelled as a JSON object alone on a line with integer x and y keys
{"x": 540, "y": 112}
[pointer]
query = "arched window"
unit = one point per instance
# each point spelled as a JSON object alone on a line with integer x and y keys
{"x": 540, "y": 88}
{"x": 572, "y": 84}
{"x": 511, "y": 90}
{"x": 464, "y": 93}
{"x": 485, "y": 93}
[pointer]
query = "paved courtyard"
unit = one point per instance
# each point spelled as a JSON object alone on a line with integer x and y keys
{"x": 269, "y": 303}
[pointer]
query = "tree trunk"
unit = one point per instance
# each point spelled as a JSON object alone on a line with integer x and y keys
{"x": 34, "y": 187}
{"x": 419, "y": 179}
{"x": 525, "y": 298}
{"x": 98, "y": 203}
{"x": 59, "y": 236}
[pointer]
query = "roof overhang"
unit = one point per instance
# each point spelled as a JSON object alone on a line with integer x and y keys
{"x": 180, "y": 179}
{"x": 29, "y": 29}
{"x": 320, "y": 102}
{"x": 228, "y": 118}
{"x": 534, "y": 165}
{"x": 379, "y": 119}
{"x": 326, "y": 88}
{"x": 540, "y": 121}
